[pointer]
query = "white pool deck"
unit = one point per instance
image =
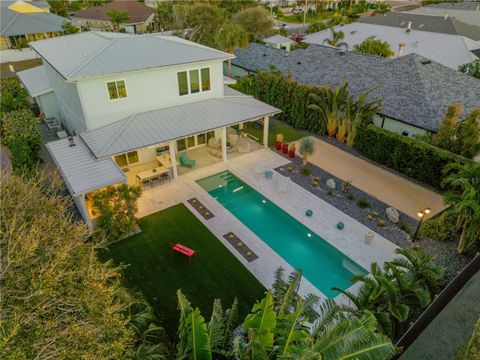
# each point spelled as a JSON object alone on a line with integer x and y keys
{"x": 296, "y": 201}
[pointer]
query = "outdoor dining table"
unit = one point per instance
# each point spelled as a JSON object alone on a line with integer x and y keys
{"x": 152, "y": 173}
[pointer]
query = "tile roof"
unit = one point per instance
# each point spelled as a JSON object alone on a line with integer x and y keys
{"x": 436, "y": 24}
{"x": 415, "y": 90}
{"x": 137, "y": 12}
{"x": 93, "y": 53}
{"x": 449, "y": 50}
{"x": 35, "y": 80}
{"x": 154, "y": 127}
{"x": 81, "y": 171}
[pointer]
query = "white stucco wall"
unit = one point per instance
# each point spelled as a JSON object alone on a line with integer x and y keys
{"x": 397, "y": 126}
{"x": 48, "y": 104}
{"x": 146, "y": 90}
{"x": 68, "y": 101}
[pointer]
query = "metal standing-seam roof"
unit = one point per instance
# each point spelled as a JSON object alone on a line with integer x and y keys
{"x": 154, "y": 127}
{"x": 15, "y": 23}
{"x": 415, "y": 90}
{"x": 278, "y": 39}
{"x": 35, "y": 80}
{"x": 80, "y": 170}
{"x": 94, "y": 53}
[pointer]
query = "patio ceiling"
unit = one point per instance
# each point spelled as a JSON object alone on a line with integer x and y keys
{"x": 154, "y": 127}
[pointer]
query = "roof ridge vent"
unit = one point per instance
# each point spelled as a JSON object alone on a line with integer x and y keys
{"x": 425, "y": 62}
{"x": 409, "y": 27}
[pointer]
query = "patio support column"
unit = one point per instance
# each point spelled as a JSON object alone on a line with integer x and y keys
{"x": 173, "y": 157}
{"x": 265, "y": 131}
{"x": 240, "y": 126}
{"x": 224, "y": 144}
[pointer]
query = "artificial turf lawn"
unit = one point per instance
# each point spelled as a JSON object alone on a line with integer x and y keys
{"x": 288, "y": 132}
{"x": 158, "y": 273}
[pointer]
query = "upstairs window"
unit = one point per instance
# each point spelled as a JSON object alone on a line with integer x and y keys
{"x": 193, "y": 81}
{"x": 116, "y": 89}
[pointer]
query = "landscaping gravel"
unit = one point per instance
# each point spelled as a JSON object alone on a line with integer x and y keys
{"x": 338, "y": 199}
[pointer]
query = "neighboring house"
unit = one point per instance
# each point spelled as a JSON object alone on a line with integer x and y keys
{"x": 468, "y": 13}
{"x": 446, "y": 49}
{"x": 416, "y": 22}
{"x": 134, "y": 103}
{"x": 36, "y": 82}
{"x": 279, "y": 42}
{"x": 22, "y": 22}
{"x": 96, "y": 17}
{"x": 416, "y": 91}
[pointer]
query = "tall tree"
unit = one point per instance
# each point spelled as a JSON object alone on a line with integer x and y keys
{"x": 463, "y": 195}
{"x": 468, "y": 135}
{"x": 374, "y": 47}
{"x": 445, "y": 137}
{"x": 256, "y": 21}
{"x": 228, "y": 38}
{"x": 117, "y": 17}
{"x": 58, "y": 300}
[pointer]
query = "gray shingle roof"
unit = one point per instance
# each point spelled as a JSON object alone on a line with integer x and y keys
{"x": 466, "y": 5}
{"x": 80, "y": 170}
{"x": 466, "y": 16}
{"x": 436, "y": 24}
{"x": 415, "y": 90}
{"x": 14, "y": 23}
{"x": 154, "y": 127}
{"x": 93, "y": 53}
{"x": 35, "y": 80}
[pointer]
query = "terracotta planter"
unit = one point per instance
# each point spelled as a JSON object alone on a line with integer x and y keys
{"x": 278, "y": 145}
{"x": 285, "y": 148}
{"x": 291, "y": 153}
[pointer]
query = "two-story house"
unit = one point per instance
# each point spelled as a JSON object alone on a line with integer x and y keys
{"x": 142, "y": 109}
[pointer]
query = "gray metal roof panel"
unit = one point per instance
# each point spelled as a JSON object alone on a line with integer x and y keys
{"x": 81, "y": 171}
{"x": 415, "y": 90}
{"x": 172, "y": 123}
{"x": 278, "y": 39}
{"x": 424, "y": 23}
{"x": 35, "y": 80}
{"x": 92, "y": 53}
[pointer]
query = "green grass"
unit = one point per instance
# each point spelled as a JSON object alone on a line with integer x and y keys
{"x": 157, "y": 273}
{"x": 288, "y": 132}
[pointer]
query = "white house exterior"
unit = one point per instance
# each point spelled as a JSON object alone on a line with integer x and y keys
{"x": 133, "y": 103}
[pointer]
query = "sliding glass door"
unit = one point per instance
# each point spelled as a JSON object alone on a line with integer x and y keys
{"x": 194, "y": 141}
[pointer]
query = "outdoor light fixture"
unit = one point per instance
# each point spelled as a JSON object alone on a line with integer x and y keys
{"x": 263, "y": 201}
{"x": 421, "y": 214}
{"x": 309, "y": 235}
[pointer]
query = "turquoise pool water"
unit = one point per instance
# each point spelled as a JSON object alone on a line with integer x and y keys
{"x": 321, "y": 263}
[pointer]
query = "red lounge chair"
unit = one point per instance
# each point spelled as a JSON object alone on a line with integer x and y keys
{"x": 183, "y": 250}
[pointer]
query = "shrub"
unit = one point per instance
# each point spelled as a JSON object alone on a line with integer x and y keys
{"x": 21, "y": 136}
{"x": 314, "y": 184}
{"x": 363, "y": 203}
{"x": 381, "y": 223}
{"x": 346, "y": 186}
{"x": 305, "y": 171}
{"x": 116, "y": 207}
{"x": 404, "y": 226}
{"x": 415, "y": 159}
{"x": 290, "y": 169}
{"x": 12, "y": 95}
{"x": 350, "y": 197}
{"x": 441, "y": 228}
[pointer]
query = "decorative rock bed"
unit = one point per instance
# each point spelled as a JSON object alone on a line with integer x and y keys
{"x": 202, "y": 210}
{"x": 238, "y": 244}
{"x": 356, "y": 203}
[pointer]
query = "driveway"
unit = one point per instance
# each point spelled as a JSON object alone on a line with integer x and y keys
{"x": 385, "y": 185}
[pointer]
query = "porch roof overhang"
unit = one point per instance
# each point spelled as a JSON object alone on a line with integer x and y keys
{"x": 159, "y": 126}
{"x": 82, "y": 172}
{"x": 35, "y": 80}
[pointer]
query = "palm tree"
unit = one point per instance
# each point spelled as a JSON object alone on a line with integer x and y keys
{"x": 463, "y": 195}
{"x": 117, "y": 17}
{"x": 336, "y": 39}
{"x": 228, "y": 38}
{"x": 307, "y": 146}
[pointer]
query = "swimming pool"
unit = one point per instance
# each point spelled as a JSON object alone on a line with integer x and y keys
{"x": 321, "y": 263}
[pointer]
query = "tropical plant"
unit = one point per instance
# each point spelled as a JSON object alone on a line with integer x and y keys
{"x": 472, "y": 69}
{"x": 468, "y": 136}
{"x": 12, "y": 95}
{"x": 307, "y": 146}
{"x": 316, "y": 27}
{"x": 228, "y": 38}
{"x": 117, "y": 17}
{"x": 69, "y": 29}
{"x": 58, "y": 300}
{"x": 463, "y": 196}
{"x": 20, "y": 133}
{"x": 336, "y": 39}
{"x": 254, "y": 20}
{"x": 374, "y": 47}
{"x": 116, "y": 207}
{"x": 281, "y": 325}
{"x": 445, "y": 137}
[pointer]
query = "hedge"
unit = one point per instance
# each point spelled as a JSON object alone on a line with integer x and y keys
{"x": 286, "y": 94}
{"x": 410, "y": 157}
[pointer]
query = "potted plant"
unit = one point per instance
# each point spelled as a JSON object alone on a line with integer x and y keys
{"x": 291, "y": 151}
{"x": 278, "y": 141}
{"x": 285, "y": 148}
